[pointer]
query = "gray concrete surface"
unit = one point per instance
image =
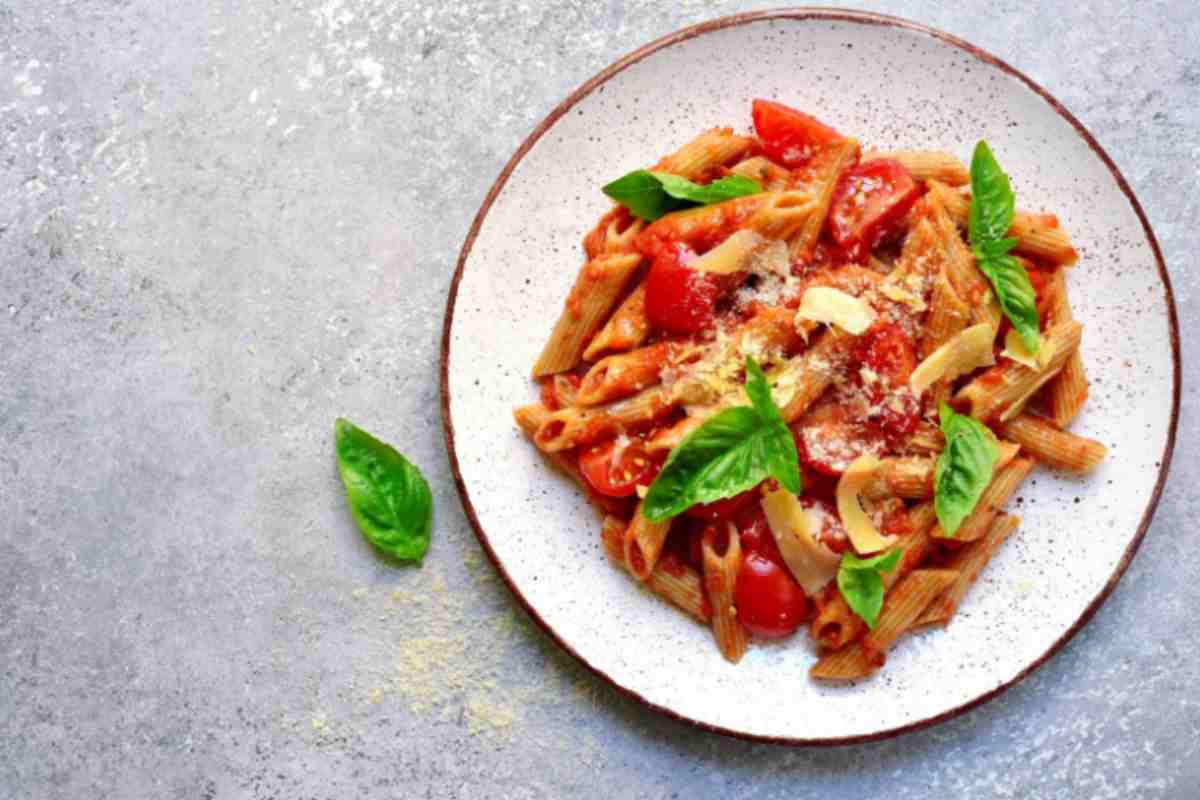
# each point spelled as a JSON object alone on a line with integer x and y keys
{"x": 223, "y": 223}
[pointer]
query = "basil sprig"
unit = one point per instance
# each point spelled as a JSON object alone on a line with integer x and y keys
{"x": 388, "y": 497}
{"x": 650, "y": 195}
{"x": 860, "y": 580}
{"x": 964, "y": 468}
{"x": 991, "y": 216}
{"x": 733, "y": 451}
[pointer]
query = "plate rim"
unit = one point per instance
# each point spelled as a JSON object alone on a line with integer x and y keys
{"x": 861, "y": 18}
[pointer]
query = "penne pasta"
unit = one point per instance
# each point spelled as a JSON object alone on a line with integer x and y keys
{"x": 591, "y": 299}
{"x": 701, "y": 158}
{"x": 1067, "y": 392}
{"x": 573, "y": 427}
{"x": 678, "y": 584}
{"x": 1054, "y": 447}
{"x": 720, "y": 578}
{"x": 624, "y": 374}
{"x": 806, "y": 377}
{"x": 929, "y": 165}
{"x": 765, "y": 172}
{"x": 968, "y": 563}
{"x": 644, "y": 541}
{"x": 614, "y": 233}
{"x": 626, "y": 329}
{"x": 1003, "y": 390}
{"x": 840, "y": 158}
{"x": 909, "y": 477}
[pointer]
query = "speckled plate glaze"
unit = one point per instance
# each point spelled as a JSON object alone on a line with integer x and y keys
{"x": 892, "y": 84}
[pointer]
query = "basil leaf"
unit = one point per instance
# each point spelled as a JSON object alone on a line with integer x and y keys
{"x": 861, "y": 583}
{"x": 992, "y": 199}
{"x": 1017, "y": 299}
{"x": 733, "y": 451}
{"x": 388, "y": 497}
{"x": 963, "y": 470}
{"x": 992, "y": 211}
{"x": 650, "y": 195}
{"x": 727, "y": 188}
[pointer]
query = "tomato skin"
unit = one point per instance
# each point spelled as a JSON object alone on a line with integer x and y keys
{"x": 790, "y": 137}
{"x": 618, "y": 474}
{"x": 720, "y": 510}
{"x": 770, "y": 604}
{"x": 889, "y": 352}
{"x": 868, "y": 201}
{"x": 679, "y": 299}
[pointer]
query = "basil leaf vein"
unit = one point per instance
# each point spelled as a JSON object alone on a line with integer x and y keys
{"x": 963, "y": 469}
{"x": 388, "y": 497}
{"x": 861, "y": 583}
{"x": 735, "y": 450}
{"x": 991, "y": 216}
{"x": 650, "y": 195}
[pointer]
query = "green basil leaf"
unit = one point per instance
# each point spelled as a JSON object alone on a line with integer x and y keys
{"x": 733, "y": 451}
{"x": 650, "y": 195}
{"x": 964, "y": 468}
{"x": 1017, "y": 299}
{"x": 727, "y": 188}
{"x": 643, "y": 195}
{"x": 388, "y": 497}
{"x": 992, "y": 199}
{"x": 861, "y": 583}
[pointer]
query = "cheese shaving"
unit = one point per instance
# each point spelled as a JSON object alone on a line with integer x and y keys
{"x": 812, "y": 564}
{"x": 864, "y": 536}
{"x": 833, "y": 306}
{"x": 969, "y": 350}
{"x": 1014, "y": 348}
{"x": 730, "y": 255}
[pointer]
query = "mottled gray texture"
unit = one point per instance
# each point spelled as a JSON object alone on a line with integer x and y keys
{"x": 222, "y": 225}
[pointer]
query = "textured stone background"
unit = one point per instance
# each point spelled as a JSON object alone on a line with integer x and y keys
{"x": 223, "y": 223}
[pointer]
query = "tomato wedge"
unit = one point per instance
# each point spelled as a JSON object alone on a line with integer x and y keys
{"x": 790, "y": 137}
{"x": 679, "y": 299}
{"x": 617, "y": 470}
{"x": 868, "y": 200}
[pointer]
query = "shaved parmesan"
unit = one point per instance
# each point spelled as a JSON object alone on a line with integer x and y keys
{"x": 862, "y": 531}
{"x": 967, "y": 351}
{"x": 1014, "y": 348}
{"x": 833, "y": 306}
{"x": 731, "y": 255}
{"x": 812, "y": 564}
{"x": 899, "y": 294}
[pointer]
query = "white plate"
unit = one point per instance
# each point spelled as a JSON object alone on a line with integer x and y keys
{"x": 891, "y": 84}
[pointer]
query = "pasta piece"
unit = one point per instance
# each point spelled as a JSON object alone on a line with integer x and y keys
{"x": 846, "y": 664}
{"x": 614, "y": 233}
{"x": 591, "y": 299}
{"x": 720, "y": 578}
{"x": 971, "y": 285}
{"x": 626, "y": 373}
{"x": 907, "y": 477}
{"x": 644, "y": 542}
{"x": 702, "y": 227}
{"x": 763, "y": 171}
{"x": 1052, "y": 446}
{"x": 842, "y": 156}
{"x": 627, "y": 328}
{"x": 1035, "y": 237}
{"x": 901, "y": 608}
{"x": 1004, "y": 483}
{"x": 529, "y": 419}
{"x": 1066, "y": 393}
{"x": 573, "y": 427}
{"x": 782, "y": 215}
{"x": 806, "y": 377}
{"x": 701, "y": 158}
{"x": 678, "y": 584}
{"x": 968, "y": 562}
{"x": 929, "y": 165}
{"x": 1003, "y": 390}
{"x": 834, "y": 624}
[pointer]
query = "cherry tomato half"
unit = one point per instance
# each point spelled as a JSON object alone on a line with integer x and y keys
{"x": 616, "y": 471}
{"x": 790, "y": 137}
{"x": 770, "y": 604}
{"x": 679, "y": 299}
{"x": 889, "y": 356}
{"x": 868, "y": 200}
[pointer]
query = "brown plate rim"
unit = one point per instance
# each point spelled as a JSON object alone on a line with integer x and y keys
{"x": 862, "y": 18}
